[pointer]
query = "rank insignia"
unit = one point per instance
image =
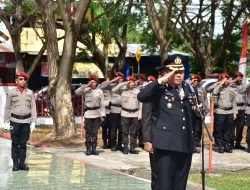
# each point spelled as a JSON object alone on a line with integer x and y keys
{"x": 169, "y": 105}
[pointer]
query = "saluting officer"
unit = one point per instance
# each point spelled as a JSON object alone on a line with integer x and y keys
{"x": 172, "y": 136}
{"x": 246, "y": 90}
{"x": 115, "y": 111}
{"x": 239, "y": 122}
{"x": 94, "y": 112}
{"x": 224, "y": 113}
{"x": 148, "y": 122}
{"x": 20, "y": 116}
{"x": 130, "y": 114}
{"x": 203, "y": 106}
{"x": 106, "y": 129}
{"x": 140, "y": 82}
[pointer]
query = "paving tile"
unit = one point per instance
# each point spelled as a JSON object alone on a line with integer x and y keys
{"x": 52, "y": 171}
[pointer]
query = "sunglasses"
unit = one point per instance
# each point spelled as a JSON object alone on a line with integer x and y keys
{"x": 22, "y": 79}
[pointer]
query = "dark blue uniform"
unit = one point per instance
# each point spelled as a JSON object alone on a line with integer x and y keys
{"x": 172, "y": 137}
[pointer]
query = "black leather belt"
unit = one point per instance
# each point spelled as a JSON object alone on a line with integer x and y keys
{"x": 107, "y": 107}
{"x": 116, "y": 105}
{"x": 130, "y": 110}
{"x": 240, "y": 104}
{"x": 20, "y": 116}
{"x": 91, "y": 108}
{"x": 223, "y": 108}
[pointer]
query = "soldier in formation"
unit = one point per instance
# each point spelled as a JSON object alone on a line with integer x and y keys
{"x": 20, "y": 117}
{"x": 94, "y": 112}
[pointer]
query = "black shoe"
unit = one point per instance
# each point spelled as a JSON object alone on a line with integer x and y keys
{"x": 125, "y": 150}
{"x": 114, "y": 148}
{"x": 88, "y": 151}
{"x": 105, "y": 145}
{"x": 23, "y": 167}
{"x": 239, "y": 146}
{"x": 94, "y": 152}
{"x": 220, "y": 149}
{"x": 15, "y": 168}
{"x": 227, "y": 149}
{"x": 133, "y": 151}
{"x": 120, "y": 148}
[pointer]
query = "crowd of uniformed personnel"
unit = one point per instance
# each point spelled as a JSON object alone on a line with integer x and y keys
{"x": 113, "y": 105}
{"x": 165, "y": 116}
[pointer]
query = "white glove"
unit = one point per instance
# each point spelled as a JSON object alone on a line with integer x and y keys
{"x": 7, "y": 126}
{"x": 32, "y": 127}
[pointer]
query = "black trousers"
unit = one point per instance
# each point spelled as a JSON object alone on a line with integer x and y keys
{"x": 154, "y": 184}
{"x": 238, "y": 127}
{"x": 139, "y": 133}
{"x": 248, "y": 129}
{"x": 91, "y": 126}
{"x": 172, "y": 169}
{"x": 115, "y": 129}
{"x": 19, "y": 135}
{"x": 106, "y": 133}
{"x": 223, "y": 126}
{"x": 197, "y": 128}
{"x": 129, "y": 128}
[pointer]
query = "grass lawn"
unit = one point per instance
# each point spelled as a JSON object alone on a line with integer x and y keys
{"x": 228, "y": 181}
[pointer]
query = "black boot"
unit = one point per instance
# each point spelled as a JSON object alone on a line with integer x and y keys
{"x": 227, "y": 148}
{"x": 23, "y": 166}
{"x": 15, "y": 165}
{"x": 220, "y": 148}
{"x": 133, "y": 151}
{"x": 239, "y": 146}
{"x": 105, "y": 144}
{"x": 94, "y": 152}
{"x": 125, "y": 150}
{"x": 88, "y": 150}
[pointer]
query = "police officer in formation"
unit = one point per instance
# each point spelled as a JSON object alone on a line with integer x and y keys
{"x": 172, "y": 136}
{"x": 199, "y": 115}
{"x": 130, "y": 113}
{"x": 115, "y": 111}
{"x": 140, "y": 82}
{"x": 246, "y": 90}
{"x": 224, "y": 113}
{"x": 106, "y": 132}
{"x": 20, "y": 117}
{"x": 94, "y": 112}
{"x": 240, "y": 118}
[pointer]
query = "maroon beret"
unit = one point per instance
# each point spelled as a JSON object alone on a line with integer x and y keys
{"x": 224, "y": 75}
{"x": 131, "y": 78}
{"x": 22, "y": 74}
{"x": 238, "y": 73}
{"x": 140, "y": 76}
{"x": 151, "y": 78}
{"x": 119, "y": 74}
{"x": 93, "y": 77}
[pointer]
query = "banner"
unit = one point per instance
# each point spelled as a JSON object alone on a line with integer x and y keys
{"x": 243, "y": 55}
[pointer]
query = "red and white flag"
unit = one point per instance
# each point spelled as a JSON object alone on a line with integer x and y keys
{"x": 243, "y": 55}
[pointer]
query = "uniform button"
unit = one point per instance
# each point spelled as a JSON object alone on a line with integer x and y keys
{"x": 164, "y": 127}
{"x": 183, "y": 127}
{"x": 182, "y": 102}
{"x": 182, "y": 110}
{"x": 183, "y": 118}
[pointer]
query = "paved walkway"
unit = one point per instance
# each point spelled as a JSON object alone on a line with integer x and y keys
{"x": 53, "y": 171}
{"x": 69, "y": 168}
